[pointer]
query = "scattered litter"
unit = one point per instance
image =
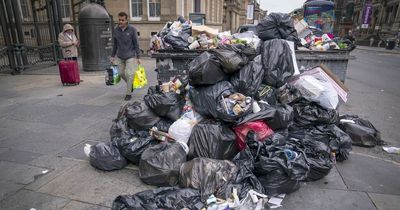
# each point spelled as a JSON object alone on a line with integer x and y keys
{"x": 392, "y": 150}
{"x": 276, "y": 201}
{"x": 45, "y": 171}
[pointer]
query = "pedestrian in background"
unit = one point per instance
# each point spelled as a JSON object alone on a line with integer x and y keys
{"x": 68, "y": 42}
{"x": 125, "y": 51}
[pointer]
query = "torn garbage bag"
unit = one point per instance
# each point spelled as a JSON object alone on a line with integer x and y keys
{"x": 133, "y": 147}
{"x": 362, "y": 132}
{"x": 310, "y": 113}
{"x": 277, "y": 26}
{"x": 207, "y": 175}
{"x": 248, "y": 80}
{"x": 220, "y": 102}
{"x": 139, "y": 116}
{"x": 212, "y": 139}
{"x": 106, "y": 156}
{"x": 266, "y": 93}
{"x": 277, "y": 62}
{"x": 205, "y": 70}
{"x": 160, "y": 198}
{"x": 231, "y": 61}
{"x": 167, "y": 105}
{"x": 288, "y": 94}
{"x": 276, "y": 116}
{"x": 260, "y": 128}
{"x": 159, "y": 165}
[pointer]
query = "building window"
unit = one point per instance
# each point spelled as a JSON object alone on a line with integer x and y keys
{"x": 136, "y": 9}
{"x": 26, "y": 13}
{"x": 65, "y": 9}
{"x": 154, "y": 9}
{"x": 197, "y": 6}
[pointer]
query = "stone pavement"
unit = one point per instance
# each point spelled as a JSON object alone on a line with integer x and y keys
{"x": 396, "y": 50}
{"x": 44, "y": 127}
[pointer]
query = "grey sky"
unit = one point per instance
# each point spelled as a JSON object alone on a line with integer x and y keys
{"x": 284, "y": 6}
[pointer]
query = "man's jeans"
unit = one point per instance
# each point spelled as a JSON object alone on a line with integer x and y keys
{"x": 126, "y": 71}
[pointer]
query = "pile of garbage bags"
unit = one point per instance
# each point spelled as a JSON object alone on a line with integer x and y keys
{"x": 245, "y": 124}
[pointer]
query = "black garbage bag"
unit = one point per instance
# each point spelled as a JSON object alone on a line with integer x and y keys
{"x": 260, "y": 148}
{"x": 118, "y": 127}
{"x": 310, "y": 113}
{"x": 207, "y": 175}
{"x": 205, "y": 70}
{"x": 362, "y": 132}
{"x": 277, "y": 116}
{"x": 288, "y": 94}
{"x": 133, "y": 147}
{"x": 246, "y": 51}
{"x": 318, "y": 157}
{"x": 159, "y": 164}
{"x": 163, "y": 125}
{"x": 177, "y": 41}
{"x": 245, "y": 180}
{"x": 266, "y": 93}
{"x": 248, "y": 80}
{"x": 167, "y": 105}
{"x": 337, "y": 140}
{"x": 277, "y": 62}
{"x": 231, "y": 61}
{"x": 106, "y": 156}
{"x": 139, "y": 116}
{"x": 160, "y": 198}
{"x": 207, "y": 101}
{"x": 277, "y": 26}
{"x": 212, "y": 140}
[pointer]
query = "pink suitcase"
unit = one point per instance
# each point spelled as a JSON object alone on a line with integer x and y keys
{"x": 69, "y": 72}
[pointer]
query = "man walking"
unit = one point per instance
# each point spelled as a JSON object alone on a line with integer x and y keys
{"x": 125, "y": 50}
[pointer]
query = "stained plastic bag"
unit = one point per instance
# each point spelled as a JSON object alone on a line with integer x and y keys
{"x": 139, "y": 78}
{"x": 276, "y": 116}
{"x": 277, "y": 26}
{"x": 212, "y": 140}
{"x": 277, "y": 62}
{"x": 160, "y": 198}
{"x": 139, "y": 116}
{"x": 133, "y": 147}
{"x": 207, "y": 175}
{"x": 106, "y": 156}
{"x": 167, "y": 105}
{"x": 362, "y": 132}
{"x": 248, "y": 80}
{"x": 231, "y": 61}
{"x": 207, "y": 101}
{"x": 260, "y": 128}
{"x": 287, "y": 94}
{"x": 205, "y": 70}
{"x": 310, "y": 113}
{"x": 159, "y": 165}
{"x": 112, "y": 75}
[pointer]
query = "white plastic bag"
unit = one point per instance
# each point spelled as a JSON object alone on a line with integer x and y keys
{"x": 181, "y": 129}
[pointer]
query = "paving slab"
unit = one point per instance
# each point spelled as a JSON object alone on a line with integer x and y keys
{"x": 76, "y": 152}
{"x": 19, "y": 173}
{"x": 56, "y": 166}
{"x": 8, "y": 188}
{"x": 87, "y": 184}
{"x": 385, "y": 202}
{"x": 331, "y": 181}
{"x": 317, "y": 199}
{"x": 18, "y": 156}
{"x": 368, "y": 174}
{"x": 26, "y": 199}
{"x": 75, "y": 205}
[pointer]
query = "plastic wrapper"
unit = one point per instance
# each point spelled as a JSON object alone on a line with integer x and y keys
{"x": 139, "y": 116}
{"x": 160, "y": 198}
{"x": 133, "y": 147}
{"x": 248, "y": 80}
{"x": 167, "y": 105}
{"x": 362, "y": 132}
{"x": 277, "y": 26}
{"x": 205, "y": 70}
{"x": 212, "y": 140}
{"x": 310, "y": 113}
{"x": 106, "y": 156}
{"x": 207, "y": 175}
{"x": 159, "y": 165}
{"x": 277, "y": 62}
{"x": 210, "y": 101}
{"x": 260, "y": 128}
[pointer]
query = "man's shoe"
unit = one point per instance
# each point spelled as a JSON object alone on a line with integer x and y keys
{"x": 128, "y": 97}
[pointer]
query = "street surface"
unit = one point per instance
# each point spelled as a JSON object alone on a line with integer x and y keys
{"x": 44, "y": 127}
